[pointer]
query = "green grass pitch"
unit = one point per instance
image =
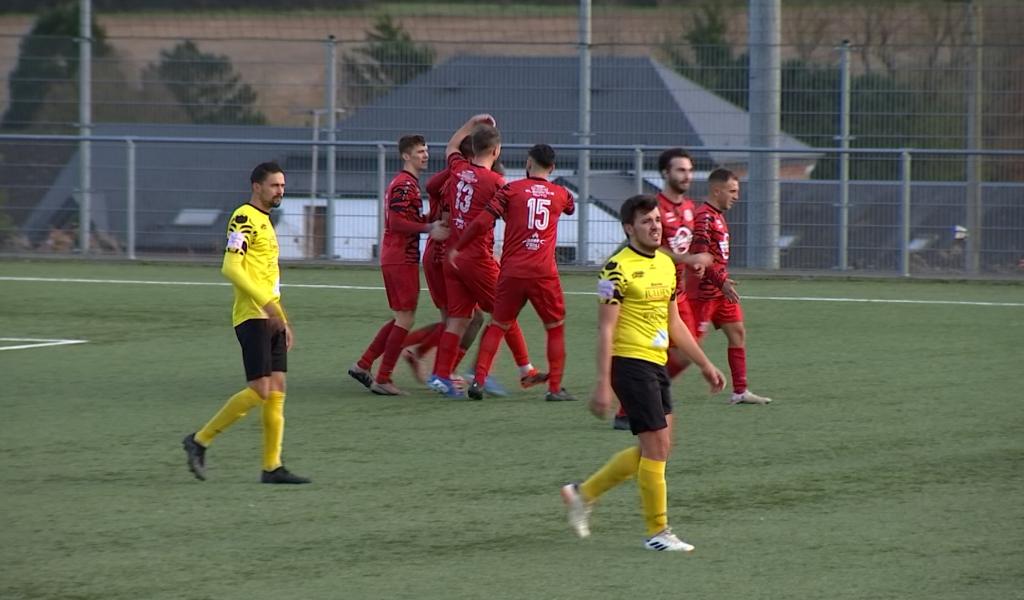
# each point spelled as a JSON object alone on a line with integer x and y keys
{"x": 890, "y": 466}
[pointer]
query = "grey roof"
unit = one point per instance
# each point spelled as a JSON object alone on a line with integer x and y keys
{"x": 169, "y": 178}
{"x": 635, "y": 101}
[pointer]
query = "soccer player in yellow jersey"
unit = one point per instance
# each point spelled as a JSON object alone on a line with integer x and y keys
{"x": 637, "y": 318}
{"x": 261, "y": 325}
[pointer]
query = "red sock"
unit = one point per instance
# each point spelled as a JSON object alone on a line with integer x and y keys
{"x": 488, "y": 348}
{"x": 460, "y": 353}
{"x": 391, "y": 351}
{"x": 446, "y": 352}
{"x": 738, "y": 367}
{"x": 556, "y": 357}
{"x": 431, "y": 340}
{"x": 675, "y": 365}
{"x": 415, "y": 338}
{"x": 376, "y": 346}
{"x": 517, "y": 344}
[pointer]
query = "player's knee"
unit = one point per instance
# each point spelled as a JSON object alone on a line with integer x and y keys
{"x": 554, "y": 324}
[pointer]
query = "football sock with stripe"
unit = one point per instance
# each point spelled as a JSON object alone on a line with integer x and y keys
{"x": 619, "y": 468}
{"x": 653, "y": 494}
{"x": 273, "y": 430}
{"x": 234, "y": 409}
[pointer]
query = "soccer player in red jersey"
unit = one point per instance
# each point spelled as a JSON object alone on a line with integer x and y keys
{"x": 713, "y": 296}
{"x": 677, "y": 213}
{"x": 434, "y": 256}
{"x": 471, "y": 281}
{"x": 400, "y": 264}
{"x": 531, "y": 208}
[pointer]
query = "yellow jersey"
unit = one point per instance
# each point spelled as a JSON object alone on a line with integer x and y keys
{"x": 256, "y": 275}
{"x": 643, "y": 285}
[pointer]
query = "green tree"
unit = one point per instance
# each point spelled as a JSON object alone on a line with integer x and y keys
{"x": 207, "y": 86}
{"x": 712, "y": 65}
{"x": 47, "y": 56}
{"x": 389, "y": 57}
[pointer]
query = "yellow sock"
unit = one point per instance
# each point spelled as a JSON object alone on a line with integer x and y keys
{"x": 621, "y": 467}
{"x": 653, "y": 494}
{"x": 273, "y": 430}
{"x": 233, "y": 410}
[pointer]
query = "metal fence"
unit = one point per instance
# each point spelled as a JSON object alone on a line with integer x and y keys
{"x": 858, "y": 84}
{"x": 171, "y": 196}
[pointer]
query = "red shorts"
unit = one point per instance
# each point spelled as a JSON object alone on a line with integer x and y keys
{"x": 544, "y": 293}
{"x": 470, "y": 285}
{"x": 433, "y": 272}
{"x": 717, "y": 312}
{"x": 686, "y": 314}
{"x": 402, "y": 285}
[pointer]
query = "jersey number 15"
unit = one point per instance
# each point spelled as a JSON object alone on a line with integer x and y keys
{"x": 539, "y": 214}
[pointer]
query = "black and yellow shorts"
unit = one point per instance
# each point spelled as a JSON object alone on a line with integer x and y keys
{"x": 643, "y": 388}
{"x": 263, "y": 351}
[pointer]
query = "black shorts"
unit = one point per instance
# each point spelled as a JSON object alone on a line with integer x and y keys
{"x": 263, "y": 352}
{"x": 643, "y": 390}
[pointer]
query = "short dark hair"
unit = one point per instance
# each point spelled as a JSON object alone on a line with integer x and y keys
{"x": 408, "y": 142}
{"x": 466, "y": 146}
{"x": 485, "y": 137}
{"x": 543, "y": 155}
{"x": 259, "y": 174}
{"x": 666, "y": 157}
{"x": 721, "y": 176}
{"x": 641, "y": 203}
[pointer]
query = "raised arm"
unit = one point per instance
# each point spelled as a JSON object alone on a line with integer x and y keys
{"x": 461, "y": 132}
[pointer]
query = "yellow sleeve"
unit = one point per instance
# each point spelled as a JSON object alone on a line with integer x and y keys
{"x": 232, "y": 269}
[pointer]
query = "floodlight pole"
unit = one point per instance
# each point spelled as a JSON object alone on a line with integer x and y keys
{"x": 84, "y": 124}
{"x": 844, "y": 156}
{"x": 331, "y": 93}
{"x": 975, "y": 108}
{"x": 583, "y": 168}
{"x": 765, "y": 122}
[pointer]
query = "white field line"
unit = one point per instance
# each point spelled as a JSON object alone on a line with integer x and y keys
{"x": 325, "y": 286}
{"x": 37, "y": 343}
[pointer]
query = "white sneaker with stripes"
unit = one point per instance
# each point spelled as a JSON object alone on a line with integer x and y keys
{"x": 667, "y": 541}
{"x": 577, "y": 510}
{"x": 749, "y": 397}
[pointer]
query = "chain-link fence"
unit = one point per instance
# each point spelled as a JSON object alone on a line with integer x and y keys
{"x": 928, "y": 76}
{"x": 171, "y": 195}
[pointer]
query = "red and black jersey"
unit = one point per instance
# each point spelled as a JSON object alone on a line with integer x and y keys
{"x": 677, "y": 231}
{"x": 470, "y": 188}
{"x": 710, "y": 234}
{"x": 438, "y": 211}
{"x": 531, "y": 208}
{"x": 403, "y": 221}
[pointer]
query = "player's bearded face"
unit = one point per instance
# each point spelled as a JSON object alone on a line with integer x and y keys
{"x": 680, "y": 175}
{"x": 271, "y": 191}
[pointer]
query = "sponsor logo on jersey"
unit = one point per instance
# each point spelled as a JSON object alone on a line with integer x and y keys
{"x": 533, "y": 242}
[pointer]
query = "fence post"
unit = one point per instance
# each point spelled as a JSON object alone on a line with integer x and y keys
{"x": 130, "y": 192}
{"x": 844, "y": 157}
{"x": 583, "y": 170}
{"x": 332, "y": 136}
{"x": 638, "y": 166}
{"x": 382, "y": 188}
{"x": 85, "y": 124}
{"x": 905, "y": 213}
